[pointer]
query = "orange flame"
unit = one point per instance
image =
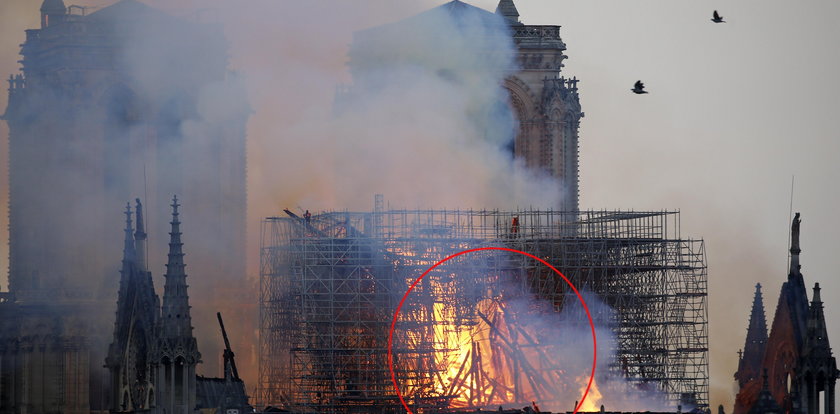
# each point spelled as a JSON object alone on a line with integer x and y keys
{"x": 593, "y": 398}
{"x": 491, "y": 361}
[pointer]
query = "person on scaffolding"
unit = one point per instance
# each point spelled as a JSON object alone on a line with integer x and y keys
{"x": 307, "y": 216}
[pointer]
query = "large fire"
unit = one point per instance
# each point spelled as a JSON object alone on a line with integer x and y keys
{"x": 493, "y": 360}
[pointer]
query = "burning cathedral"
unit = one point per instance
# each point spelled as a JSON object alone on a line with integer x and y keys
{"x": 488, "y": 329}
{"x": 112, "y": 103}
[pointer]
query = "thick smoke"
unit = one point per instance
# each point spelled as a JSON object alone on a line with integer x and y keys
{"x": 420, "y": 122}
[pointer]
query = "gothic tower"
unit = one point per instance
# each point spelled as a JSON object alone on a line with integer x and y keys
{"x": 125, "y": 100}
{"x": 546, "y": 105}
{"x": 177, "y": 348}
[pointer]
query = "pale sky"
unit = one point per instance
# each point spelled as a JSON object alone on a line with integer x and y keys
{"x": 734, "y": 111}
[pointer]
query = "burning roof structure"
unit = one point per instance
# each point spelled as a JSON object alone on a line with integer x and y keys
{"x": 485, "y": 329}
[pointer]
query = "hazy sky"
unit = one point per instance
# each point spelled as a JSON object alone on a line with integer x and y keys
{"x": 734, "y": 111}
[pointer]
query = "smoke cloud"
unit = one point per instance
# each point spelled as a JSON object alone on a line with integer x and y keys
{"x": 415, "y": 125}
{"x": 418, "y": 122}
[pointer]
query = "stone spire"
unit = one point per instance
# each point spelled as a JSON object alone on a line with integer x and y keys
{"x": 140, "y": 237}
{"x": 177, "y": 347}
{"x": 816, "y": 340}
{"x": 749, "y": 364}
{"x": 126, "y": 271}
{"x": 176, "y": 307}
{"x": 134, "y": 329}
{"x": 507, "y": 9}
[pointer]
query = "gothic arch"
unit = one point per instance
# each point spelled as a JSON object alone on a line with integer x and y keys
{"x": 523, "y": 105}
{"x": 783, "y": 365}
{"x": 522, "y": 99}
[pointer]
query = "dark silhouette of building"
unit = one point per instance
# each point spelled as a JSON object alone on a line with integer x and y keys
{"x": 124, "y": 100}
{"x": 154, "y": 354}
{"x": 751, "y": 358}
{"x": 796, "y": 358}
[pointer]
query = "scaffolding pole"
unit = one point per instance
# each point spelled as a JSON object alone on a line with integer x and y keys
{"x": 329, "y": 285}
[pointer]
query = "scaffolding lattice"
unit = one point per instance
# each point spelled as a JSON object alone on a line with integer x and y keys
{"x": 330, "y": 283}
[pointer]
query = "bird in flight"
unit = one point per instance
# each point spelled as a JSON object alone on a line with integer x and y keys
{"x": 717, "y": 18}
{"x": 639, "y": 88}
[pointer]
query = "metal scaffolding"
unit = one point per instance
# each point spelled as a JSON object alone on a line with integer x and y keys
{"x": 330, "y": 283}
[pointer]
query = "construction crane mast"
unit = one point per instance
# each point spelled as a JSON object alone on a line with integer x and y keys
{"x": 230, "y": 364}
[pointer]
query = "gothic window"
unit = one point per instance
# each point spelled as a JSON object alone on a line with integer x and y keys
{"x": 136, "y": 366}
{"x": 519, "y": 103}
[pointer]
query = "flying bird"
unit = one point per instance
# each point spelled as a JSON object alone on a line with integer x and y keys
{"x": 717, "y": 18}
{"x": 639, "y": 88}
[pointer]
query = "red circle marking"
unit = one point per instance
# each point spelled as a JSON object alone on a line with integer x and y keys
{"x": 410, "y": 288}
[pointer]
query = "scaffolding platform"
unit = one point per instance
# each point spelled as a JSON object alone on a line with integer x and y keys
{"x": 330, "y": 283}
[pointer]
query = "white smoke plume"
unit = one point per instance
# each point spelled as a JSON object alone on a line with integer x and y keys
{"x": 420, "y": 122}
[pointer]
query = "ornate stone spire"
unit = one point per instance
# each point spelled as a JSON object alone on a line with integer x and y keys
{"x": 177, "y": 347}
{"x": 134, "y": 329}
{"x": 176, "y": 307}
{"x": 507, "y": 9}
{"x": 140, "y": 237}
{"x": 816, "y": 340}
{"x": 749, "y": 364}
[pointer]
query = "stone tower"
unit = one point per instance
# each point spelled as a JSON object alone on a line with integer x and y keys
{"x": 123, "y": 101}
{"x": 546, "y": 104}
{"x": 126, "y": 100}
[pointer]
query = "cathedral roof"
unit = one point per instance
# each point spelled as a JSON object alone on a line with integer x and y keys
{"x": 459, "y": 8}
{"x": 462, "y": 14}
